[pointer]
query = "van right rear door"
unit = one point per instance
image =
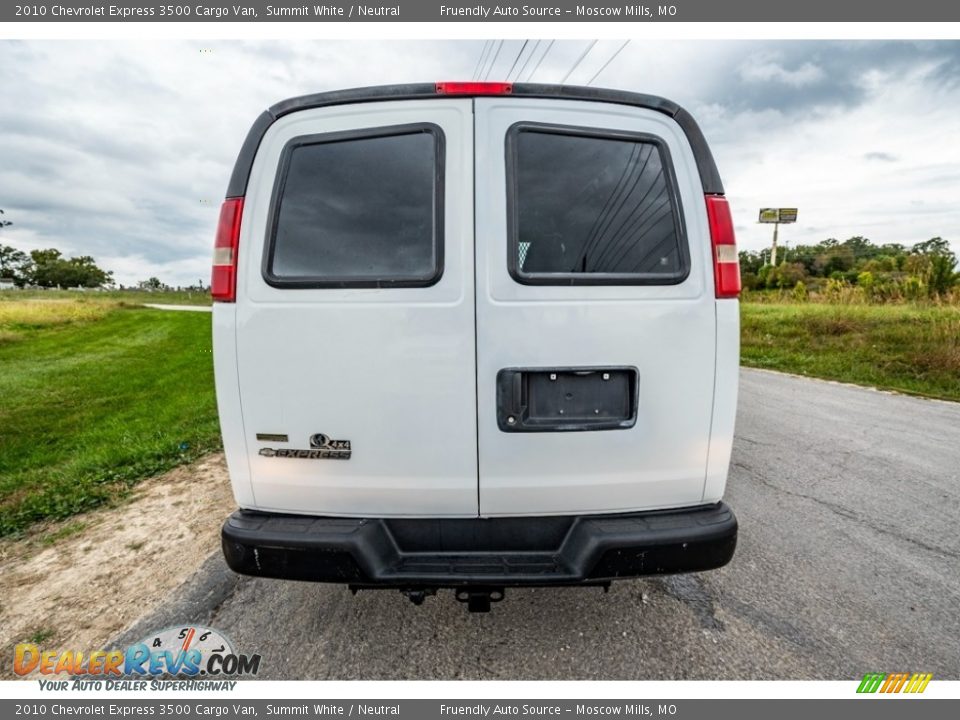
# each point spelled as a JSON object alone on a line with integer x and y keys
{"x": 596, "y": 317}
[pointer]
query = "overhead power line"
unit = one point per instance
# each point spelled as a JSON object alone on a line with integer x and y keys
{"x": 516, "y": 59}
{"x": 533, "y": 51}
{"x": 494, "y": 61}
{"x": 537, "y": 66}
{"x": 579, "y": 60}
{"x": 610, "y": 60}
{"x": 487, "y": 44}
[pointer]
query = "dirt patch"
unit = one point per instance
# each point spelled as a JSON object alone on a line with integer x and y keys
{"x": 77, "y": 583}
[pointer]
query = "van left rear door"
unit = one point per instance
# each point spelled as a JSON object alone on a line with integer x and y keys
{"x": 355, "y": 312}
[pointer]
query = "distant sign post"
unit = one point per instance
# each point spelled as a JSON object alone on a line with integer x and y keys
{"x": 777, "y": 216}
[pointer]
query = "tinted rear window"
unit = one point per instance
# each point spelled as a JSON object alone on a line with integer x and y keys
{"x": 590, "y": 207}
{"x": 359, "y": 209}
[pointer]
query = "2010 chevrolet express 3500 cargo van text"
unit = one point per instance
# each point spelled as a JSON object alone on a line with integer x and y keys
{"x": 474, "y": 336}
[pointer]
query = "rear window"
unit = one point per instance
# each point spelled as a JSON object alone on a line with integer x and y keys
{"x": 592, "y": 207}
{"x": 358, "y": 209}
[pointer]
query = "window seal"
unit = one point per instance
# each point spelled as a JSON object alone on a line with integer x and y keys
{"x": 312, "y": 282}
{"x": 567, "y": 279}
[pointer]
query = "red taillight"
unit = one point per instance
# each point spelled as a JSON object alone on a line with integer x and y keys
{"x": 726, "y": 262}
{"x": 223, "y": 283}
{"x": 474, "y": 88}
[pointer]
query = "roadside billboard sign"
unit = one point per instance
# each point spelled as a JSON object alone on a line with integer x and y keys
{"x": 778, "y": 215}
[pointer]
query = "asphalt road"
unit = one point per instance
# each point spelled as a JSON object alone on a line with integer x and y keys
{"x": 848, "y": 562}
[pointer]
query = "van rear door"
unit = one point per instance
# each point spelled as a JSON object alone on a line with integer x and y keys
{"x": 355, "y": 312}
{"x": 596, "y": 324}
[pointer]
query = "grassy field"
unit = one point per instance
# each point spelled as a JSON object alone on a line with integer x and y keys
{"x": 909, "y": 348}
{"x": 95, "y": 395}
{"x": 131, "y": 297}
{"x": 97, "y": 392}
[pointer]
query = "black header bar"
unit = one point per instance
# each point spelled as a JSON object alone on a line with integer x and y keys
{"x": 482, "y": 11}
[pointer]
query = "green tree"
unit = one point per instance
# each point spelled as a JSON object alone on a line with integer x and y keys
{"x": 45, "y": 263}
{"x": 151, "y": 284}
{"x": 835, "y": 258}
{"x": 861, "y": 247}
{"x": 806, "y": 254}
{"x": 879, "y": 264}
{"x": 937, "y": 262}
{"x": 52, "y": 269}
{"x": 933, "y": 246}
{"x": 750, "y": 261}
{"x": 786, "y": 275}
{"x": 15, "y": 264}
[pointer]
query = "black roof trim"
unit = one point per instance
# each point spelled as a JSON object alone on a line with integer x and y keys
{"x": 241, "y": 168}
{"x": 709, "y": 177}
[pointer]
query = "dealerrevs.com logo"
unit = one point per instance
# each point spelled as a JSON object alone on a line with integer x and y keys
{"x": 187, "y": 652}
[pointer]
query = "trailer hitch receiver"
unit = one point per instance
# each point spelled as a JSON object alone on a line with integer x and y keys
{"x": 478, "y": 599}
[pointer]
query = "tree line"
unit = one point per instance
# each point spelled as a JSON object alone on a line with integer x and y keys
{"x": 889, "y": 271}
{"x": 50, "y": 268}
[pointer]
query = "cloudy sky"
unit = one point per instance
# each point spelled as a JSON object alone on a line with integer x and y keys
{"x": 122, "y": 150}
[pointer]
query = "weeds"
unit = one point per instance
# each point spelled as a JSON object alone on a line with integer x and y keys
{"x": 41, "y": 636}
{"x": 911, "y": 348}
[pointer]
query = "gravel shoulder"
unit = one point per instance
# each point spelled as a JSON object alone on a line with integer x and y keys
{"x": 76, "y": 584}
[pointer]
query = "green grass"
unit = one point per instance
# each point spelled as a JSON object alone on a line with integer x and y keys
{"x": 89, "y": 407}
{"x": 41, "y": 636}
{"x": 909, "y": 348}
{"x": 132, "y": 297}
{"x": 62, "y": 533}
{"x": 24, "y": 311}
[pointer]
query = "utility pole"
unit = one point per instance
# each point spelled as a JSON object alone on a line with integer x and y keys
{"x": 773, "y": 252}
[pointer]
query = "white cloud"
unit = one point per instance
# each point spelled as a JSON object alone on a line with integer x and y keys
{"x": 122, "y": 150}
{"x": 766, "y": 69}
{"x": 822, "y": 165}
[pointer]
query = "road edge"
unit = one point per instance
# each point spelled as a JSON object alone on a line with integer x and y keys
{"x": 870, "y": 388}
{"x": 195, "y": 601}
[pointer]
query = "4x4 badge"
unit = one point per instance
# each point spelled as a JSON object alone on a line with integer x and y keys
{"x": 321, "y": 442}
{"x": 322, "y": 447}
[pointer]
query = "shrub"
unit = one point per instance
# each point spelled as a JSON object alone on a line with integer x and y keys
{"x": 837, "y": 290}
{"x": 786, "y": 275}
{"x": 867, "y": 282}
{"x": 749, "y": 280}
{"x": 912, "y": 287}
{"x": 800, "y": 293}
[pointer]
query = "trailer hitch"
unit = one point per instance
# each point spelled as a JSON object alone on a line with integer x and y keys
{"x": 478, "y": 599}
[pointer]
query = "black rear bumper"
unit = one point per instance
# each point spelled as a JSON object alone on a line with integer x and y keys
{"x": 505, "y": 552}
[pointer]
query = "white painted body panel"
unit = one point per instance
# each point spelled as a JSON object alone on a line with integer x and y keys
{"x": 392, "y": 370}
{"x": 666, "y": 331}
{"x": 725, "y": 399}
{"x": 228, "y": 402}
{"x": 408, "y": 374}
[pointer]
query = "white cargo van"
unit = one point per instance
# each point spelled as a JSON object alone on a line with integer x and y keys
{"x": 475, "y": 336}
